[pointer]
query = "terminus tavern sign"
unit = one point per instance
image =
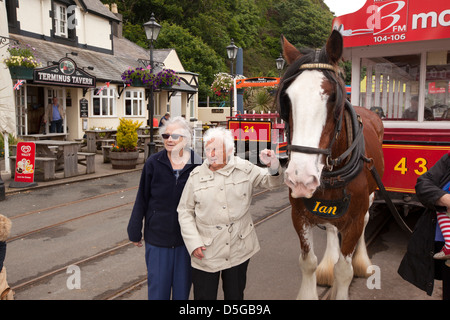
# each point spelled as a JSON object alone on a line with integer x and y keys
{"x": 65, "y": 73}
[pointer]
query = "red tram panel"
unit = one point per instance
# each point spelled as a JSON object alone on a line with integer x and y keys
{"x": 251, "y": 130}
{"x": 409, "y": 153}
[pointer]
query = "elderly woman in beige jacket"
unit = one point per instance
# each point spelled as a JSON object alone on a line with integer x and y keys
{"x": 214, "y": 216}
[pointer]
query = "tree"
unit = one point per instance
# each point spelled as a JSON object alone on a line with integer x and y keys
{"x": 195, "y": 55}
{"x": 305, "y": 23}
{"x": 200, "y": 30}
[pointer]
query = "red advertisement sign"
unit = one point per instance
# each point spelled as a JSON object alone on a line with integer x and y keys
{"x": 25, "y": 158}
{"x": 251, "y": 130}
{"x": 403, "y": 164}
{"x": 393, "y": 21}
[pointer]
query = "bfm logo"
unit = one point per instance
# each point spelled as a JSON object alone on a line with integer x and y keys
{"x": 389, "y": 17}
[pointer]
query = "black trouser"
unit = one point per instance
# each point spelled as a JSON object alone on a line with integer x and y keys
{"x": 56, "y": 126}
{"x": 206, "y": 284}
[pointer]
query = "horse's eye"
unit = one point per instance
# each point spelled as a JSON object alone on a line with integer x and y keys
{"x": 333, "y": 97}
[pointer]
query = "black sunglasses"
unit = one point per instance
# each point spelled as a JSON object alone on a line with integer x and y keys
{"x": 173, "y": 135}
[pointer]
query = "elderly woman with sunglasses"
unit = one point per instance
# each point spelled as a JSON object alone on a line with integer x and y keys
{"x": 162, "y": 181}
{"x": 214, "y": 215}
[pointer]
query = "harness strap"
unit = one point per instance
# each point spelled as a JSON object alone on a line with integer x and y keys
{"x": 325, "y": 66}
{"x": 386, "y": 197}
{"x": 337, "y": 161}
{"x": 310, "y": 150}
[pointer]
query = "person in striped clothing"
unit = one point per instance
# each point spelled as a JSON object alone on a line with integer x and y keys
{"x": 444, "y": 224}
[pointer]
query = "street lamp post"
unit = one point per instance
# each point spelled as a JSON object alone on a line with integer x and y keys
{"x": 280, "y": 64}
{"x": 232, "y": 51}
{"x": 152, "y": 29}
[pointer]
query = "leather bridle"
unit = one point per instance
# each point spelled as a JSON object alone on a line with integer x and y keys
{"x": 332, "y": 177}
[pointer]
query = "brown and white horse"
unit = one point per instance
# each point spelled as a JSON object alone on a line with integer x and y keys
{"x": 332, "y": 147}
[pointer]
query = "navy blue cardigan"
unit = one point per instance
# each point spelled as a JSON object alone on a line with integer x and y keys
{"x": 157, "y": 201}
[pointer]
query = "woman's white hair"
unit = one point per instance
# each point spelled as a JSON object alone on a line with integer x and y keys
{"x": 182, "y": 124}
{"x": 222, "y": 133}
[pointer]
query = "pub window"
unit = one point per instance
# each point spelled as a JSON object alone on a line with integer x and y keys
{"x": 134, "y": 103}
{"x": 104, "y": 102}
{"x": 61, "y": 21}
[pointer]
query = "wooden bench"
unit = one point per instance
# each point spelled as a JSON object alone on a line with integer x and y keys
{"x": 105, "y": 151}
{"x": 48, "y": 166}
{"x": 87, "y": 159}
{"x": 107, "y": 142}
{"x": 82, "y": 143}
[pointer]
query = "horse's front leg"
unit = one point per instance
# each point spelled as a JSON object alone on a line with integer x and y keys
{"x": 308, "y": 265}
{"x": 343, "y": 275}
{"x": 361, "y": 260}
{"x": 343, "y": 270}
{"x": 325, "y": 269}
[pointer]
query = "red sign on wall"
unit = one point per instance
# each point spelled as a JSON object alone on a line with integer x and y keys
{"x": 25, "y": 158}
{"x": 393, "y": 21}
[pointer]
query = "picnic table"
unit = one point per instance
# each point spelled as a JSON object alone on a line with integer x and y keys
{"x": 48, "y": 136}
{"x": 66, "y": 154}
{"x": 94, "y": 136}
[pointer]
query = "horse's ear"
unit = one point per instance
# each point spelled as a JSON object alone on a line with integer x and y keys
{"x": 335, "y": 46}
{"x": 290, "y": 52}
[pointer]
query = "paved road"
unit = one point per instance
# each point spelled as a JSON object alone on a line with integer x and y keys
{"x": 90, "y": 217}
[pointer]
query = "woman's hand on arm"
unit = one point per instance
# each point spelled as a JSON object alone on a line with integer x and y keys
{"x": 198, "y": 253}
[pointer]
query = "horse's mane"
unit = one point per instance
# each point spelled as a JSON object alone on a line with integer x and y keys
{"x": 309, "y": 56}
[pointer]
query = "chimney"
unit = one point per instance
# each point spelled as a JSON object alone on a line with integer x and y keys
{"x": 117, "y": 26}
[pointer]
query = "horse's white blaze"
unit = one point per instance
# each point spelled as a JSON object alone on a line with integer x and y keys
{"x": 309, "y": 114}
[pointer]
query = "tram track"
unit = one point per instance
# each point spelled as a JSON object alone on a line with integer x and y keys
{"x": 143, "y": 280}
{"x": 66, "y": 204}
{"x": 138, "y": 282}
{"x": 21, "y": 286}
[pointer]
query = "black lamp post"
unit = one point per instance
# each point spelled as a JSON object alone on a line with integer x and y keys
{"x": 152, "y": 29}
{"x": 280, "y": 64}
{"x": 232, "y": 51}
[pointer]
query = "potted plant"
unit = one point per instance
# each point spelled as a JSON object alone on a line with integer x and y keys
{"x": 21, "y": 62}
{"x": 124, "y": 155}
{"x": 143, "y": 77}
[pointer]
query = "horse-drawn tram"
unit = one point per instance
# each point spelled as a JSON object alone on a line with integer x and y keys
{"x": 400, "y": 55}
{"x": 254, "y": 132}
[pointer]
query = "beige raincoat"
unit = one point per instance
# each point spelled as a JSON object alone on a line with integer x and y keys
{"x": 214, "y": 212}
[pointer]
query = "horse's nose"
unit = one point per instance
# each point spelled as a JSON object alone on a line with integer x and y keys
{"x": 302, "y": 181}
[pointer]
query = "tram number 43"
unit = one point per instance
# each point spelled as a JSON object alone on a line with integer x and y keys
{"x": 421, "y": 166}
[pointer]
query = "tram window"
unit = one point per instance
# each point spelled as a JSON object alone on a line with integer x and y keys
{"x": 391, "y": 85}
{"x": 437, "y": 96}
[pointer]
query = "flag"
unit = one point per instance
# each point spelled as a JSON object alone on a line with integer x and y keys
{"x": 18, "y": 84}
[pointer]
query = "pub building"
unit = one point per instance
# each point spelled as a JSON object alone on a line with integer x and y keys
{"x": 83, "y": 55}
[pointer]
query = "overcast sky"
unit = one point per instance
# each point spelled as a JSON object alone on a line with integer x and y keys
{"x": 341, "y": 7}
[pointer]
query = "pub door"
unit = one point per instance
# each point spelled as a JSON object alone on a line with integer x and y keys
{"x": 60, "y": 93}
{"x": 35, "y": 109}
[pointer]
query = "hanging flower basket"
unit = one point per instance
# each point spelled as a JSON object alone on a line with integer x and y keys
{"x": 143, "y": 77}
{"x": 21, "y": 62}
{"x": 223, "y": 84}
{"x": 137, "y": 83}
{"x": 21, "y": 72}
